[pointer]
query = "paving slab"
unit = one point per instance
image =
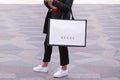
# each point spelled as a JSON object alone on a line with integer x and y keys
{"x": 22, "y": 43}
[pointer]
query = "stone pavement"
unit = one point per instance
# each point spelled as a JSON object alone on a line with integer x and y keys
{"x": 21, "y": 43}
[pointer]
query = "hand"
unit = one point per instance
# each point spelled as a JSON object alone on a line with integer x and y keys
{"x": 48, "y": 0}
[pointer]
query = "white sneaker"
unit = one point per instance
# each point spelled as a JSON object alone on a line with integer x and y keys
{"x": 61, "y": 73}
{"x": 39, "y": 68}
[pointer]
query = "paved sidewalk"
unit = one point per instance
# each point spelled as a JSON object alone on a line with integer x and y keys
{"x": 21, "y": 44}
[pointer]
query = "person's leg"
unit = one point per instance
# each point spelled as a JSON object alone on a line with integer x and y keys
{"x": 64, "y": 61}
{"x": 47, "y": 53}
{"x": 64, "y": 57}
{"x": 47, "y": 56}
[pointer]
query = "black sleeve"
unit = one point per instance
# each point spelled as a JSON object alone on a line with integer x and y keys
{"x": 65, "y": 7}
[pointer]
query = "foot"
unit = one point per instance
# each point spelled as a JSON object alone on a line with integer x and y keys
{"x": 39, "y": 68}
{"x": 61, "y": 73}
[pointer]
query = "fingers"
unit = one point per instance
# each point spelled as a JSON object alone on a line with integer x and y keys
{"x": 48, "y": 0}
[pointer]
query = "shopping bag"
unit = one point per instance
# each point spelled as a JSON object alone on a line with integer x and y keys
{"x": 67, "y": 32}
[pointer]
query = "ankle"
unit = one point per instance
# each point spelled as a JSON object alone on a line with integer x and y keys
{"x": 64, "y": 67}
{"x": 44, "y": 64}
